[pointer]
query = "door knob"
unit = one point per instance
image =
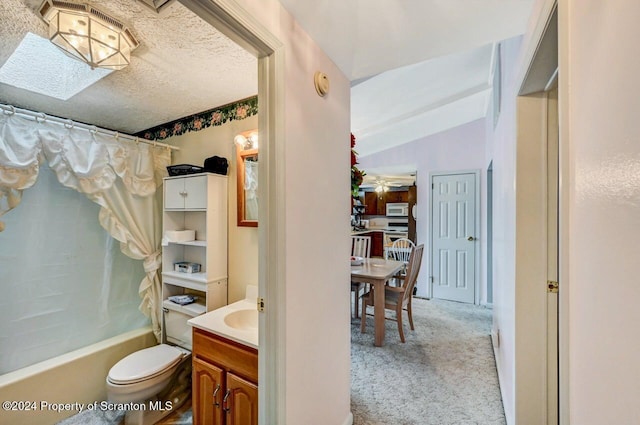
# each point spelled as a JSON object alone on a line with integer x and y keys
{"x": 470, "y": 238}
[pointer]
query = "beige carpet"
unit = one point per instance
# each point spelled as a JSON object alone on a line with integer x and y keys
{"x": 444, "y": 374}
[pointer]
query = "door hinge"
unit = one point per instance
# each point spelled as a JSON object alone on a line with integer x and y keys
{"x": 260, "y": 304}
{"x": 552, "y": 286}
{"x": 431, "y": 277}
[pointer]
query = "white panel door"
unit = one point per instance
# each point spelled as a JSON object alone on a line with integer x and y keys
{"x": 453, "y": 233}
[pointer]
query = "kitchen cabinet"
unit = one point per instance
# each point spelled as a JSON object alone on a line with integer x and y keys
{"x": 225, "y": 381}
{"x": 377, "y": 243}
{"x": 376, "y": 203}
{"x": 196, "y": 202}
{"x": 396, "y": 196}
{"x": 381, "y": 204}
{"x": 413, "y": 201}
{"x": 371, "y": 203}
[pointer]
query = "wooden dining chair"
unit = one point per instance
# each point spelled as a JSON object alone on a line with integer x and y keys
{"x": 397, "y": 298}
{"x": 400, "y": 250}
{"x": 360, "y": 247}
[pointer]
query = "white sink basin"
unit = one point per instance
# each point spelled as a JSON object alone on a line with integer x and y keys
{"x": 242, "y": 319}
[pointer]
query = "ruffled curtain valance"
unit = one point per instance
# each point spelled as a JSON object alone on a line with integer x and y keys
{"x": 120, "y": 176}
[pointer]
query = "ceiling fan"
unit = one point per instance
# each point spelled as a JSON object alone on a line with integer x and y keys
{"x": 384, "y": 183}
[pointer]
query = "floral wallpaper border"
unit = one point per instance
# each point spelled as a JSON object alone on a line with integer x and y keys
{"x": 238, "y": 110}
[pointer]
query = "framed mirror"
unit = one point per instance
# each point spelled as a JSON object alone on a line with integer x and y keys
{"x": 247, "y": 174}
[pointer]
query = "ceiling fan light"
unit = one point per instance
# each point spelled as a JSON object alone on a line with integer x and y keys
{"x": 87, "y": 34}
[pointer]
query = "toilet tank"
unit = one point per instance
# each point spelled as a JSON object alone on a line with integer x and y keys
{"x": 175, "y": 316}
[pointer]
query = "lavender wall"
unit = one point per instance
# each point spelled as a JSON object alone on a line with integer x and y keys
{"x": 461, "y": 148}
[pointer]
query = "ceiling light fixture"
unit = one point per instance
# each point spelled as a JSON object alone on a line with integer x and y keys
{"x": 382, "y": 187}
{"x": 87, "y": 34}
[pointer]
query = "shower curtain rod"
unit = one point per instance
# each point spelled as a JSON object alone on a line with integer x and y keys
{"x": 41, "y": 117}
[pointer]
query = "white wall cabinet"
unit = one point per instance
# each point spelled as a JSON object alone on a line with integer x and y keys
{"x": 196, "y": 202}
{"x": 189, "y": 192}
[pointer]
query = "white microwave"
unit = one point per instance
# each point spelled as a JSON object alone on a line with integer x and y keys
{"x": 398, "y": 209}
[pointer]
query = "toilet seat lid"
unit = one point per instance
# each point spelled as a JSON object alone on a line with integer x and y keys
{"x": 144, "y": 364}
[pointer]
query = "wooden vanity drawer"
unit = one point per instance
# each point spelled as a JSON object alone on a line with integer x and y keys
{"x": 228, "y": 354}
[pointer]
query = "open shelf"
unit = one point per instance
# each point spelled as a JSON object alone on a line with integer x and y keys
{"x": 190, "y": 243}
{"x": 196, "y": 202}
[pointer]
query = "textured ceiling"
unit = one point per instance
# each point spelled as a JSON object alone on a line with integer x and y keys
{"x": 183, "y": 66}
{"x": 417, "y": 67}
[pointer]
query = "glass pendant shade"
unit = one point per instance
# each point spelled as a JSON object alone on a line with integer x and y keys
{"x": 89, "y": 35}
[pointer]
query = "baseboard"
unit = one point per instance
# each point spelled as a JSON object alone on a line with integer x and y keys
{"x": 349, "y": 420}
{"x": 507, "y": 409}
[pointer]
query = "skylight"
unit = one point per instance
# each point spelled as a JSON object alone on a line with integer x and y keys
{"x": 40, "y": 67}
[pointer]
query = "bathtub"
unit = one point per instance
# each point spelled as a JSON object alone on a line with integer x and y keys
{"x": 52, "y": 390}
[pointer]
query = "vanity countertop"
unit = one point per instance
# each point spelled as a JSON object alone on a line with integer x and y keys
{"x": 216, "y": 322}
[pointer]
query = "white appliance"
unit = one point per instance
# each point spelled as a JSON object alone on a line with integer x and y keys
{"x": 397, "y": 228}
{"x": 398, "y": 209}
{"x": 161, "y": 372}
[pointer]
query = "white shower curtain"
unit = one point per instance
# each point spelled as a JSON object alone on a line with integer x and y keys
{"x": 120, "y": 176}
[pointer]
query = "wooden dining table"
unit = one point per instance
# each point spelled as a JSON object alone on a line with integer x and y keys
{"x": 377, "y": 271}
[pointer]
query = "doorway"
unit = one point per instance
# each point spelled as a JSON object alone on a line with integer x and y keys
{"x": 241, "y": 27}
{"x": 453, "y": 236}
{"x": 537, "y": 229}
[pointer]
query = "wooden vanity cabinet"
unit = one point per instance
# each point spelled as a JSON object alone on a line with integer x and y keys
{"x": 225, "y": 381}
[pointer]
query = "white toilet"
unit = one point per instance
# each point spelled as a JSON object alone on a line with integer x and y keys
{"x": 159, "y": 376}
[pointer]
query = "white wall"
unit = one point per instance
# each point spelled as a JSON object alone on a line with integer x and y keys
{"x": 600, "y": 119}
{"x": 461, "y": 148}
{"x": 501, "y": 148}
{"x": 243, "y": 241}
{"x": 317, "y": 203}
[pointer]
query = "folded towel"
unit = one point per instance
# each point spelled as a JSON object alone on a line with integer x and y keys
{"x": 183, "y": 299}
